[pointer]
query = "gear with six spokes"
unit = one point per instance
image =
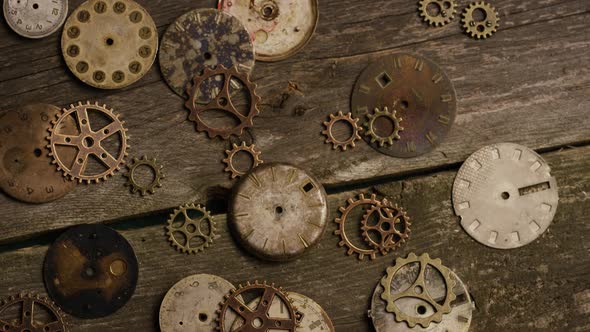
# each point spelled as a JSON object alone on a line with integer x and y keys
{"x": 27, "y": 318}
{"x": 229, "y": 161}
{"x": 184, "y": 228}
{"x": 484, "y": 27}
{"x": 350, "y": 141}
{"x": 444, "y": 12}
{"x": 392, "y": 227}
{"x": 395, "y": 130}
{"x": 147, "y": 188}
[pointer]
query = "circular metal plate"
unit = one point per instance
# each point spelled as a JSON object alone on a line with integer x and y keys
{"x": 35, "y": 18}
{"x": 203, "y": 38}
{"x": 418, "y": 90}
{"x": 505, "y": 195}
{"x": 279, "y": 28}
{"x": 90, "y": 271}
{"x": 278, "y": 211}
{"x": 26, "y": 172}
{"x": 109, "y": 44}
{"x": 191, "y": 303}
{"x": 458, "y": 320}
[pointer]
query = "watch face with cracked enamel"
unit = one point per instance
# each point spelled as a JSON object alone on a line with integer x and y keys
{"x": 35, "y": 18}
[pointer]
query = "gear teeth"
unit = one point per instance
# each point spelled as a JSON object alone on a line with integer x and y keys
{"x": 243, "y": 147}
{"x": 170, "y": 230}
{"x": 340, "y": 231}
{"x": 345, "y": 144}
{"x": 480, "y": 30}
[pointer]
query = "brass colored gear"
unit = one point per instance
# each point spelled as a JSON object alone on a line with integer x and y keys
{"x": 229, "y": 161}
{"x": 350, "y": 142}
{"x": 393, "y": 227}
{"x": 257, "y": 319}
{"x": 182, "y": 229}
{"x": 150, "y": 187}
{"x": 27, "y": 319}
{"x": 390, "y": 115}
{"x": 445, "y": 11}
{"x": 418, "y": 290}
{"x": 199, "y": 103}
{"x": 88, "y": 142}
{"x": 481, "y": 29}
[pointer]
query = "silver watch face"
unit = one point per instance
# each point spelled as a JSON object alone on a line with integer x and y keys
{"x": 35, "y": 18}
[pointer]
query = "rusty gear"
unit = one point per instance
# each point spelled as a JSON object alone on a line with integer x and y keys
{"x": 350, "y": 142}
{"x": 150, "y": 187}
{"x": 87, "y": 142}
{"x": 257, "y": 319}
{"x": 222, "y": 101}
{"x": 370, "y": 126}
{"x": 229, "y": 161}
{"x": 418, "y": 290}
{"x": 481, "y": 29}
{"x": 445, "y": 14}
{"x": 344, "y": 241}
{"x": 180, "y": 236}
{"x": 393, "y": 227}
{"x": 26, "y": 321}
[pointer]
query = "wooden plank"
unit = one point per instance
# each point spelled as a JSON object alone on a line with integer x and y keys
{"x": 543, "y": 286}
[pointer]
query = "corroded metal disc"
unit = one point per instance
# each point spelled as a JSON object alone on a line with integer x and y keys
{"x": 90, "y": 271}
{"x": 26, "y": 172}
{"x": 505, "y": 195}
{"x": 203, "y": 38}
{"x": 278, "y": 211}
{"x": 109, "y": 44}
{"x": 35, "y": 18}
{"x": 421, "y": 94}
{"x": 279, "y": 28}
{"x": 191, "y": 304}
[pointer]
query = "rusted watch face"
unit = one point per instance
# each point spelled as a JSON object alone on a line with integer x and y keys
{"x": 278, "y": 211}
{"x": 90, "y": 271}
{"x": 35, "y": 18}
{"x": 26, "y": 172}
{"x": 421, "y": 96}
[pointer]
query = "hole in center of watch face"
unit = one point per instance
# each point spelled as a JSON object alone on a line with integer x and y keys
{"x": 203, "y": 317}
{"x": 89, "y": 272}
{"x": 35, "y": 6}
{"x": 404, "y": 104}
{"x": 342, "y": 131}
{"x": 505, "y": 195}
{"x": 257, "y": 322}
{"x": 208, "y": 56}
{"x": 433, "y": 9}
{"x": 479, "y": 15}
{"x": 110, "y": 41}
{"x": 279, "y": 210}
{"x": 38, "y": 152}
{"x": 88, "y": 142}
{"x": 383, "y": 126}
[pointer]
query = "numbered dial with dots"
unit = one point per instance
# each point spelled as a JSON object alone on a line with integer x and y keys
{"x": 109, "y": 44}
{"x": 35, "y": 18}
{"x": 421, "y": 95}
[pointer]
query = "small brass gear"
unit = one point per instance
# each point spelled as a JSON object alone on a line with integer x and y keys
{"x": 418, "y": 290}
{"x": 349, "y": 142}
{"x": 445, "y": 11}
{"x": 229, "y": 161}
{"x": 27, "y": 320}
{"x": 182, "y": 229}
{"x": 150, "y": 187}
{"x": 481, "y": 29}
{"x": 393, "y": 227}
{"x": 370, "y": 126}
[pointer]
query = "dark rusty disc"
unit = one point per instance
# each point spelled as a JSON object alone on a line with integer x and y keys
{"x": 418, "y": 90}
{"x": 90, "y": 271}
{"x": 26, "y": 172}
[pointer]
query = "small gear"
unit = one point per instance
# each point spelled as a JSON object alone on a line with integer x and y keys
{"x": 349, "y": 142}
{"x": 484, "y": 27}
{"x": 199, "y": 102}
{"x": 344, "y": 240}
{"x": 144, "y": 189}
{"x": 183, "y": 230}
{"x": 88, "y": 143}
{"x": 229, "y": 161}
{"x": 395, "y": 131}
{"x": 445, "y": 11}
{"x": 256, "y": 316}
{"x": 393, "y": 227}
{"x": 418, "y": 290}
{"x": 27, "y": 320}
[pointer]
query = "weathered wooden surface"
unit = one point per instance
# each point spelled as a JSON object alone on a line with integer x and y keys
{"x": 528, "y": 84}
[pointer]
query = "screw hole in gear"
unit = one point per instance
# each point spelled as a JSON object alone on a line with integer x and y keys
{"x": 480, "y": 20}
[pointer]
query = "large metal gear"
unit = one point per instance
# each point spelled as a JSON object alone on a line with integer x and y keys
{"x": 185, "y": 231}
{"x": 88, "y": 142}
{"x": 35, "y": 19}
{"x": 350, "y": 142}
{"x": 27, "y": 318}
{"x": 146, "y": 188}
{"x": 229, "y": 161}
{"x": 392, "y": 227}
{"x": 222, "y": 100}
{"x": 418, "y": 289}
{"x": 372, "y": 131}
{"x": 483, "y": 27}
{"x": 437, "y": 12}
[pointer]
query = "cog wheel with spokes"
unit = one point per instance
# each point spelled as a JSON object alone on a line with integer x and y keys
{"x": 371, "y": 126}
{"x": 147, "y": 188}
{"x": 29, "y": 317}
{"x": 484, "y": 27}
{"x": 392, "y": 227}
{"x": 444, "y": 12}
{"x": 186, "y": 231}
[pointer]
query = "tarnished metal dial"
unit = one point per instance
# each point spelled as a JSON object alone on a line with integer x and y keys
{"x": 90, "y": 271}
{"x": 26, "y": 172}
{"x": 420, "y": 93}
{"x": 505, "y": 195}
{"x": 278, "y": 211}
{"x": 203, "y": 38}
{"x": 279, "y": 28}
{"x": 109, "y": 44}
{"x": 191, "y": 304}
{"x": 35, "y": 18}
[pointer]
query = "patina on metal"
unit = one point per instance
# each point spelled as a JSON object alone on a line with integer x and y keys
{"x": 35, "y": 18}
{"x": 30, "y": 313}
{"x": 90, "y": 271}
{"x": 420, "y": 93}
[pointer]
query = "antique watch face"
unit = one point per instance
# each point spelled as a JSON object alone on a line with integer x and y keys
{"x": 35, "y": 18}
{"x": 407, "y": 105}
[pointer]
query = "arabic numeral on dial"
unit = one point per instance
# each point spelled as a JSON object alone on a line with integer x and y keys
{"x": 55, "y": 11}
